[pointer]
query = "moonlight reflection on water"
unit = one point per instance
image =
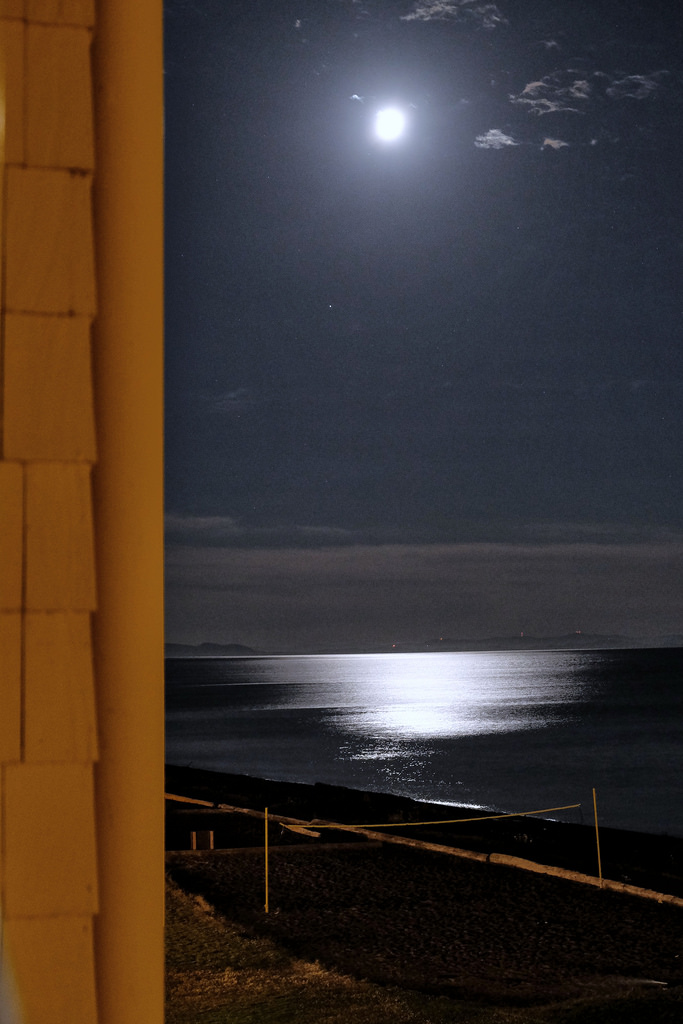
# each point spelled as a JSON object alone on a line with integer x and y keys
{"x": 498, "y": 730}
{"x": 416, "y": 696}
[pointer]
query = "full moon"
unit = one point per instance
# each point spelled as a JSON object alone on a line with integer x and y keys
{"x": 389, "y": 124}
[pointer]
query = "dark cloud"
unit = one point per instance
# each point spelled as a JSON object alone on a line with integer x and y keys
{"x": 237, "y": 402}
{"x": 221, "y": 530}
{"x": 298, "y": 600}
{"x": 225, "y": 531}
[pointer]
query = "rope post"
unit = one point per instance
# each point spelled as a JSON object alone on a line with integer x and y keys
{"x": 597, "y": 835}
{"x": 266, "y": 859}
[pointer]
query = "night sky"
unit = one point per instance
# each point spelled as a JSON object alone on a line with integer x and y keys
{"x": 431, "y": 385}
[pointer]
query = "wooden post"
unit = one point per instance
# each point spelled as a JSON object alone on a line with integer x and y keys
{"x": 128, "y": 501}
{"x": 266, "y": 860}
{"x": 597, "y": 835}
{"x": 202, "y": 840}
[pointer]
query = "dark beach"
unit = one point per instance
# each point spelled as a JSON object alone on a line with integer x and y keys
{"x": 428, "y": 920}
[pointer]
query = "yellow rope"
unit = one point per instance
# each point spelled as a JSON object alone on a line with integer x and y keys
{"x": 449, "y": 821}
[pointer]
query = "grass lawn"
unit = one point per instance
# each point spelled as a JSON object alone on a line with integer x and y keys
{"x": 218, "y": 974}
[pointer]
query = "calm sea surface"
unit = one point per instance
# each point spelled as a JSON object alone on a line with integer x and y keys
{"x": 502, "y": 731}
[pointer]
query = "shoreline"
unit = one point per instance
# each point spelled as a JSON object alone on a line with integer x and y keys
{"x": 646, "y": 860}
{"x": 490, "y": 645}
{"x": 478, "y": 929}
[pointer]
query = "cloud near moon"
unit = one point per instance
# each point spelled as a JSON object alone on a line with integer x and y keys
{"x": 483, "y": 15}
{"x": 494, "y": 139}
{"x": 554, "y": 143}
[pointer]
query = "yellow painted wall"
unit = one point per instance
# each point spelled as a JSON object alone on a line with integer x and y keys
{"x": 81, "y": 613}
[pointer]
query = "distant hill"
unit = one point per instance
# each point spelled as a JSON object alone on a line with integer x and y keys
{"x": 208, "y": 650}
{"x": 522, "y": 642}
{"x": 565, "y": 642}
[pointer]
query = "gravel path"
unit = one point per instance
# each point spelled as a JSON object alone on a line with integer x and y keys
{"x": 440, "y": 924}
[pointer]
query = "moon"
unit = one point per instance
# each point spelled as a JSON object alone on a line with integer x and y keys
{"x": 390, "y": 124}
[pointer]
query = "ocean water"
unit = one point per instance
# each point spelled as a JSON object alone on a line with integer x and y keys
{"x": 505, "y": 732}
